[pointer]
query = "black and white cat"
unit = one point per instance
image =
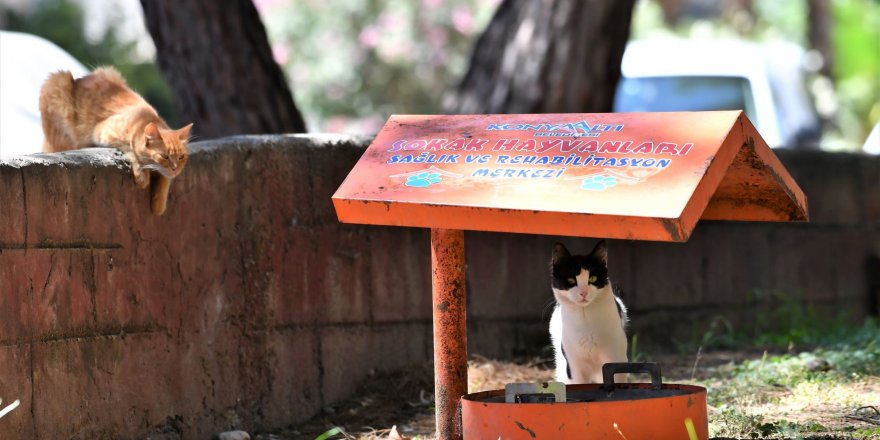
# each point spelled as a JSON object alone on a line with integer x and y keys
{"x": 587, "y": 326}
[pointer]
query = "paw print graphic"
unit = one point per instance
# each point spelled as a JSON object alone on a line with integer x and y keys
{"x": 598, "y": 183}
{"x": 423, "y": 180}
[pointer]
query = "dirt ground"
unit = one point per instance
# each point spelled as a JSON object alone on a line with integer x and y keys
{"x": 399, "y": 405}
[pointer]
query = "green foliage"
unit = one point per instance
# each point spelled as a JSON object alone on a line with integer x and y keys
{"x": 856, "y": 38}
{"x": 785, "y": 318}
{"x": 330, "y": 433}
{"x": 634, "y": 354}
{"x": 63, "y": 23}
{"x": 857, "y": 354}
{"x": 719, "y": 334}
{"x": 862, "y": 432}
{"x": 778, "y": 320}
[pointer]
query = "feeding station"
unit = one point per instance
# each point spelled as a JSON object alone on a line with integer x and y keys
{"x": 633, "y": 176}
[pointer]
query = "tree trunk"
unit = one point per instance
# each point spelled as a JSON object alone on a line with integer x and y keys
{"x": 820, "y": 24}
{"x": 218, "y": 63}
{"x": 547, "y": 56}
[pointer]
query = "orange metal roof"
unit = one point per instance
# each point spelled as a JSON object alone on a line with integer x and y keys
{"x": 642, "y": 176}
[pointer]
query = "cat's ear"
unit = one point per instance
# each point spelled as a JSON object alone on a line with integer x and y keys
{"x": 183, "y": 133}
{"x": 601, "y": 252}
{"x": 559, "y": 252}
{"x": 151, "y": 132}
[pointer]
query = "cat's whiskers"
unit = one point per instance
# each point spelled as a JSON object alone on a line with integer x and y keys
{"x": 551, "y": 304}
{"x": 156, "y": 167}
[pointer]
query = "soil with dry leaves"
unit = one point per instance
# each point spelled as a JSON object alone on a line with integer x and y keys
{"x": 399, "y": 405}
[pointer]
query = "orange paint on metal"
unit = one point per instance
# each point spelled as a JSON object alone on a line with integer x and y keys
{"x": 658, "y": 417}
{"x": 450, "y": 330}
{"x": 641, "y": 176}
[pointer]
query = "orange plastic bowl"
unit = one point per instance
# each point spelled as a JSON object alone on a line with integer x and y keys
{"x": 629, "y": 412}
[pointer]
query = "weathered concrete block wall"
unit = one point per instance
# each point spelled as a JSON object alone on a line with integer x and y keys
{"x": 247, "y": 305}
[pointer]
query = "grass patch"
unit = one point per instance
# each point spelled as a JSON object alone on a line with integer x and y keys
{"x": 799, "y": 395}
{"x": 779, "y": 320}
{"x": 734, "y": 423}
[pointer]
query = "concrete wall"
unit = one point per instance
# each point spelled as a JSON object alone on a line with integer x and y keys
{"x": 247, "y": 305}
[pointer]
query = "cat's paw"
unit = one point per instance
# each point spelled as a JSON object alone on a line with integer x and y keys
{"x": 142, "y": 179}
{"x": 598, "y": 183}
{"x": 422, "y": 180}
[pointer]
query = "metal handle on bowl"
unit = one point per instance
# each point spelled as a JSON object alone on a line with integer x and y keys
{"x": 612, "y": 368}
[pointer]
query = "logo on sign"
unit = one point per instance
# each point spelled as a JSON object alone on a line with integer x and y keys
{"x": 576, "y": 129}
{"x": 425, "y": 177}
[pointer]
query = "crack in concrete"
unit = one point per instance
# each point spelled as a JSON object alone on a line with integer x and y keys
{"x": 319, "y": 363}
{"x": 49, "y": 275}
{"x": 85, "y": 334}
{"x": 31, "y": 353}
{"x": 93, "y": 287}
{"x": 51, "y": 246}
{"x": 25, "y": 208}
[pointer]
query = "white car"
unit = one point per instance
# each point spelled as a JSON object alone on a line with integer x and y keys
{"x": 25, "y": 62}
{"x": 766, "y": 81}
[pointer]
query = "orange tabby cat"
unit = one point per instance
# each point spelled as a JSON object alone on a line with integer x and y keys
{"x": 100, "y": 109}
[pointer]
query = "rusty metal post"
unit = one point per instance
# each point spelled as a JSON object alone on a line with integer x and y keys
{"x": 450, "y": 332}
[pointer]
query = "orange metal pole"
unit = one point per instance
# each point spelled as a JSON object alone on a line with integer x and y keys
{"x": 450, "y": 332}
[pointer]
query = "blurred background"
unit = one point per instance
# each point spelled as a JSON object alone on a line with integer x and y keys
{"x": 806, "y": 71}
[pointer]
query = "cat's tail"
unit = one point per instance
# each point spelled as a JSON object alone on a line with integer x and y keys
{"x": 58, "y": 112}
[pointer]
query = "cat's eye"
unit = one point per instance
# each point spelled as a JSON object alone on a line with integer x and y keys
{"x": 592, "y": 279}
{"x": 572, "y": 281}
